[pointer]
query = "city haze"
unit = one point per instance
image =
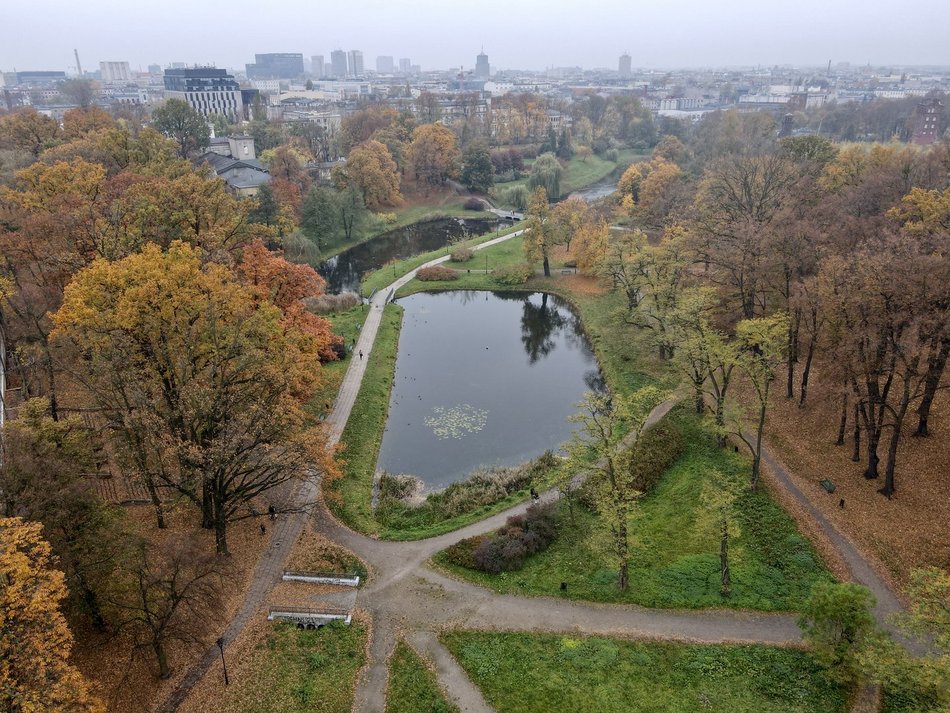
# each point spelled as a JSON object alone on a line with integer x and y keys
{"x": 438, "y": 35}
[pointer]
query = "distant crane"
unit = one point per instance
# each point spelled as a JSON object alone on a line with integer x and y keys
{"x": 78, "y": 65}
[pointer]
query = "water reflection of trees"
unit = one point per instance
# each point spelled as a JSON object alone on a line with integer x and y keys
{"x": 539, "y": 326}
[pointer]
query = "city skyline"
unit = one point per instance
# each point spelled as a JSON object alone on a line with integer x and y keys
{"x": 685, "y": 34}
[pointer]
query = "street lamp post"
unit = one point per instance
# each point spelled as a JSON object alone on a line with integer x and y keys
{"x": 220, "y": 643}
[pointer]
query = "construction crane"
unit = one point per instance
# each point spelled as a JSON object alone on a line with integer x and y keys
{"x": 78, "y": 65}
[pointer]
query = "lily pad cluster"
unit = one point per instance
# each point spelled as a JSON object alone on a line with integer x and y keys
{"x": 456, "y": 422}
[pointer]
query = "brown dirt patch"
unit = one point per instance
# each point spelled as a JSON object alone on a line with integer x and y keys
{"x": 128, "y": 684}
{"x": 908, "y": 531}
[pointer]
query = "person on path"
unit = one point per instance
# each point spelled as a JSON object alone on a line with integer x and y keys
{"x": 361, "y": 355}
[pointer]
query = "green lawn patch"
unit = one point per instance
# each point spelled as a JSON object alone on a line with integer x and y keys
{"x": 675, "y": 559}
{"x": 528, "y": 673}
{"x": 346, "y": 324}
{"x": 383, "y": 277}
{"x": 412, "y": 686}
{"x": 351, "y": 495}
{"x": 299, "y": 670}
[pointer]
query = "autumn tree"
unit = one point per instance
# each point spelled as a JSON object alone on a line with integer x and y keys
{"x": 80, "y": 122}
{"x": 761, "y": 344}
{"x": 203, "y": 380}
{"x": 44, "y": 477}
{"x": 170, "y": 593}
{"x": 370, "y": 168}
{"x": 478, "y": 173}
{"x": 29, "y": 131}
{"x": 362, "y": 124}
{"x": 836, "y": 623}
{"x": 178, "y": 121}
{"x": 433, "y": 154}
{"x": 35, "y": 641}
{"x": 718, "y": 496}
{"x": 329, "y": 217}
{"x": 593, "y": 449}
{"x": 541, "y": 232}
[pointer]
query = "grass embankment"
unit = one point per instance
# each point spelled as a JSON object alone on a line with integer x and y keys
{"x": 675, "y": 546}
{"x": 383, "y": 277}
{"x": 351, "y": 496}
{"x": 531, "y": 673}
{"x": 578, "y": 174}
{"x": 412, "y": 685}
{"x": 346, "y": 324}
{"x": 298, "y": 670}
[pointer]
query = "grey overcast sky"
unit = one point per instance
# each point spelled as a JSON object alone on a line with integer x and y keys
{"x": 524, "y": 34}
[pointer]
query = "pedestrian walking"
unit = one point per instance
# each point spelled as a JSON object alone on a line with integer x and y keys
{"x": 272, "y": 512}
{"x": 263, "y": 529}
{"x": 361, "y": 355}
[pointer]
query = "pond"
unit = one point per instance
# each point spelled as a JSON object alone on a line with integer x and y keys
{"x": 603, "y": 188}
{"x": 343, "y": 272}
{"x": 483, "y": 378}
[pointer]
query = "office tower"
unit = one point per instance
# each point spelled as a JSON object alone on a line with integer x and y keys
{"x": 624, "y": 68}
{"x": 355, "y": 63}
{"x": 276, "y": 65}
{"x": 385, "y": 65}
{"x": 482, "y": 69}
{"x": 338, "y": 64}
{"x": 112, "y": 72}
{"x": 317, "y": 68}
{"x": 207, "y": 90}
{"x": 405, "y": 65}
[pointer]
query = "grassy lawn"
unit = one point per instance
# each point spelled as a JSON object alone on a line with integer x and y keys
{"x": 528, "y": 673}
{"x": 299, "y": 670}
{"x": 347, "y": 325}
{"x": 675, "y": 557}
{"x": 351, "y": 496}
{"x": 412, "y": 686}
{"x": 383, "y": 277}
{"x": 578, "y": 173}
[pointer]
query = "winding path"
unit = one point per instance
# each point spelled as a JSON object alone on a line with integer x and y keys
{"x": 406, "y": 598}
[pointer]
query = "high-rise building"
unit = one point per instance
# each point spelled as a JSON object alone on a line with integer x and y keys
{"x": 154, "y": 69}
{"x": 405, "y": 65}
{"x": 317, "y": 68}
{"x": 112, "y": 72}
{"x": 385, "y": 65}
{"x": 624, "y": 67}
{"x": 355, "y": 63}
{"x": 482, "y": 68}
{"x": 276, "y": 65}
{"x": 338, "y": 64}
{"x": 207, "y": 90}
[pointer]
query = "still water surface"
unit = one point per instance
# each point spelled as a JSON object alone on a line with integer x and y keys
{"x": 344, "y": 271}
{"x": 483, "y": 378}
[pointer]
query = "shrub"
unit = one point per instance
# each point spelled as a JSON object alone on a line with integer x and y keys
{"x": 658, "y": 449}
{"x": 436, "y": 273}
{"x": 461, "y": 254}
{"x": 513, "y": 274}
{"x": 328, "y": 304}
{"x": 522, "y": 536}
{"x": 612, "y": 155}
{"x": 461, "y": 553}
{"x": 474, "y": 204}
{"x": 389, "y": 218}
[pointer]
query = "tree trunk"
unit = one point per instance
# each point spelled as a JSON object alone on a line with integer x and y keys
{"x": 547, "y": 266}
{"x": 874, "y": 437}
{"x": 207, "y": 506}
{"x": 856, "y": 453}
{"x": 792, "y": 354}
{"x": 700, "y": 404}
{"x": 757, "y": 455}
{"x": 935, "y": 367}
{"x": 623, "y": 552}
{"x": 899, "y": 414}
{"x": 164, "y": 671}
{"x": 806, "y": 371}
{"x": 725, "y": 581}
{"x": 843, "y": 423}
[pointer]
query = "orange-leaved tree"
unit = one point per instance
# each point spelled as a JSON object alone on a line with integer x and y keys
{"x": 204, "y": 380}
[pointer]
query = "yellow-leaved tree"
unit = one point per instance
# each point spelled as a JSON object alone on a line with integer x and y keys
{"x": 35, "y": 641}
